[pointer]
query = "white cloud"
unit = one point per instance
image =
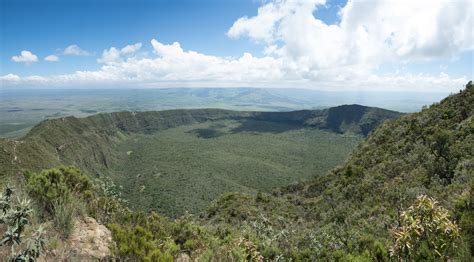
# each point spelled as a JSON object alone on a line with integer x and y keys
{"x": 25, "y": 57}
{"x": 175, "y": 67}
{"x": 110, "y": 55}
{"x": 52, "y": 58}
{"x": 264, "y": 26}
{"x": 113, "y": 55}
{"x": 10, "y": 78}
{"x": 36, "y": 79}
{"x": 369, "y": 33}
{"x": 302, "y": 51}
{"x": 75, "y": 50}
{"x": 131, "y": 48}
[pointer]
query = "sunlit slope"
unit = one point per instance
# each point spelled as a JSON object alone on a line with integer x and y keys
{"x": 426, "y": 153}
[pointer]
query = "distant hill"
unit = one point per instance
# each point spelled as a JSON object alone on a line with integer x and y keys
{"x": 21, "y": 109}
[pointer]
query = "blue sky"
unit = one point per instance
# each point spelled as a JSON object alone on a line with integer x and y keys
{"x": 43, "y": 26}
{"x": 303, "y": 43}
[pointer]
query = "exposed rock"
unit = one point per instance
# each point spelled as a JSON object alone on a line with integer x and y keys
{"x": 90, "y": 239}
{"x": 183, "y": 257}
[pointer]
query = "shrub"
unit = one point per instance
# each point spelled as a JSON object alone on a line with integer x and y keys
{"x": 426, "y": 231}
{"x": 58, "y": 183}
{"x": 61, "y": 194}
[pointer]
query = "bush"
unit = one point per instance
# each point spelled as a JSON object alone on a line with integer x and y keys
{"x": 16, "y": 216}
{"x": 53, "y": 184}
{"x": 61, "y": 194}
{"x": 426, "y": 232}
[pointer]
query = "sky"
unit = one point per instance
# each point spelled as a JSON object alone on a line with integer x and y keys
{"x": 395, "y": 45}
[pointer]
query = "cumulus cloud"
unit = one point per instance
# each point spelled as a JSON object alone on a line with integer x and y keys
{"x": 113, "y": 55}
{"x": 369, "y": 32}
{"x": 301, "y": 50}
{"x": 175, "y": 67}
{"x": 25, "y": 57}
{"x": 75, "y": 50}
{"x": 52, "y": 58}
{"x": 110, "y": 55}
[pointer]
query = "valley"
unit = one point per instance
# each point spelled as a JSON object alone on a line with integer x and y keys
{"x": 339, "y": 183}
{"x": 237, "y": 131}
{"x": 181, "y": 160}
{"x": 186, "y": 167}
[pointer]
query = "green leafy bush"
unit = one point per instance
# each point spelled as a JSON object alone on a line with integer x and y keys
{"x": 51, "y": 185}
{"x": 142, "y": 237}
{"x": 60, "y": 193}
{"x": 426, "y": 232}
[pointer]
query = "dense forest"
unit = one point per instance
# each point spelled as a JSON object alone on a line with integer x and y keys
{"x": 405, "y": 193}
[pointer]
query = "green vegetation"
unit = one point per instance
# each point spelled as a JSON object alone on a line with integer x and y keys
{"x": 15, "y": 217}
{"x": 350, "y": 212}
{"x": 60, "y": 193}
{"x": 53, "y": 185}
{"x": 178, "y": 170}
{"x": 405, "y": 193}
{"x": 425, "y": 232}
{"x": 180, "y": 160}
{"x": 87, "y": 142}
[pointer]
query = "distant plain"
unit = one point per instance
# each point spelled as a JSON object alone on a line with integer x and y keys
{"x": 21, "y": 109}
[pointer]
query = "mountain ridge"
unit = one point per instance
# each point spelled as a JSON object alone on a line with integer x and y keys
{"x": 53, "y": 137}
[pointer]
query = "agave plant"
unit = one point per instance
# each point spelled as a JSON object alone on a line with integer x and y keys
{"x": 5, "y": 198}
{"x": 16, "y": 215}
{"x": 34, "y": 247}
{"x": 10, "y": 237}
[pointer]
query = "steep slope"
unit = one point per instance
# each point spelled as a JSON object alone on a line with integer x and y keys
{"x": 351, "y": 118}
{"x": 354, "y": 207}
{"x": 86, "y": 142}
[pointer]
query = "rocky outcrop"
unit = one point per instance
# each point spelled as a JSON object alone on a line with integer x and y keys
{"x": 90, "y": 239}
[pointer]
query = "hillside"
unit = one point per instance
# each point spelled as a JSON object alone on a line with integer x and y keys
{"x": 165, "y": 160}
{"x": 353, "y": 210}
